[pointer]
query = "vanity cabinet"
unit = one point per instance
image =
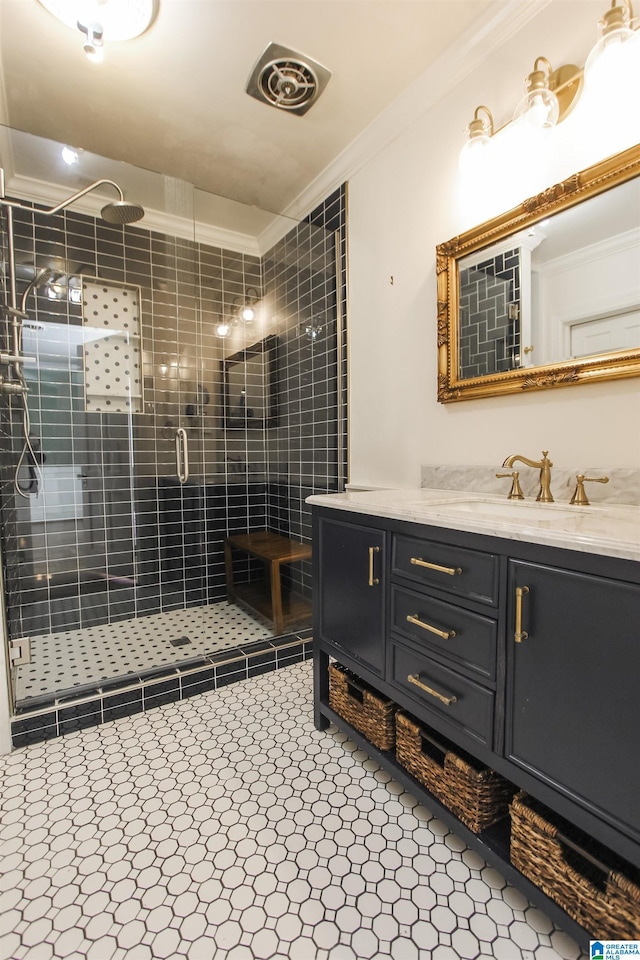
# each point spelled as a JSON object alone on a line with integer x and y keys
{"x": 352, "y": 570}
{"x": 526, "y": 656}
{"x": 573, "y": 688}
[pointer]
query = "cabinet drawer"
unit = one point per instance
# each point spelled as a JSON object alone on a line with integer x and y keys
{"x": 465, "y": 573}
{"x": 462, "y": 702}
{"x": 465, "y": 637}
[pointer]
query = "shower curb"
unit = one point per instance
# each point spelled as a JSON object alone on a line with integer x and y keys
{"x": 124, "y": 697}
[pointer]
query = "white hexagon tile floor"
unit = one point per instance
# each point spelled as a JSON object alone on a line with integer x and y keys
{"x": 225, "y": 827}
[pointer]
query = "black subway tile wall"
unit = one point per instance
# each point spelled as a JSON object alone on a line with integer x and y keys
{"x": 490, "y": 315}
{"x": 116, "y": 535}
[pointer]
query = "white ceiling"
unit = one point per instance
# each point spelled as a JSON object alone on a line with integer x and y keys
{"x": 174, "y": 100}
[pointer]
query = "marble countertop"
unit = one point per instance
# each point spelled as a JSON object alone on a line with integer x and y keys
{"x": 610, "y": 530}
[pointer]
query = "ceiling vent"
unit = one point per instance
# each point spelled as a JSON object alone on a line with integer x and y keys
{"x": 287, "y": 80}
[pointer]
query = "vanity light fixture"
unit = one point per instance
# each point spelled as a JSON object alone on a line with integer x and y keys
{"x": 101, "y": 21}
{"x": 552, "y": 93}
{"x": 245, "y": 306}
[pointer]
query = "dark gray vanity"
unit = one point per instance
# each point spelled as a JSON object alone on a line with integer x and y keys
{"x": 524, "y": 654}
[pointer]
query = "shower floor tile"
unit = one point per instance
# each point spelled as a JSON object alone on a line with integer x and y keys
{"x": 226, "y": 827}
{"x": 74, "y": 658}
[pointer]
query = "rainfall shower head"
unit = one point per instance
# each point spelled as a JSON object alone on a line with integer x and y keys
{"x": 120, "y": 211}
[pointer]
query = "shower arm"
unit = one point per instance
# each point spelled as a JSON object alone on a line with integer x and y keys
{"x": 81, "y": 193}
{"x": 65, "y": 203}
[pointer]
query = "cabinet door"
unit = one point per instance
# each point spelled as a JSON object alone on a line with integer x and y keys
{"x": 574, "y": 687}
{"x": 351, "y": 562}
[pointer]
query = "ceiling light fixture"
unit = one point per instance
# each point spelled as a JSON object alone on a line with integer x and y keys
{"x": 102, "y": 21}
{"x": 70, "y": 155}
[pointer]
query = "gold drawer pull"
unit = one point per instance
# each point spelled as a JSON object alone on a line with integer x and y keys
{"x": 415, "y": 679}
{"x": 520, "y": 634}
{"x": 373, "y": 581}
{"x": 445, "y": 634}
{"x": 419, "y": 562}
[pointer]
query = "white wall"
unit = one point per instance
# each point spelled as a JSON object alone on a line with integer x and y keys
{"x": 403, "y": 202}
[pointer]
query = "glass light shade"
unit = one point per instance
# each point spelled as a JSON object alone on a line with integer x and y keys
{"x": 474, "y": 153}
{"x": 222, "y": 330}
{"x": 119, "y": 19}
{"x": 539, "y": 108}
{"x": 247, "y": 314}
{"x": 614, "y": 56}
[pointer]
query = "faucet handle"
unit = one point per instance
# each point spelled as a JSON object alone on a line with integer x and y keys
{"x": 516, "y": 491}
{"x": 579, "y": 498}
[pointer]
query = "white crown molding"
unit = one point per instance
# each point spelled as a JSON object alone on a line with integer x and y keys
{"x": 489, "y": 31}
{"x": 592, "y": 253}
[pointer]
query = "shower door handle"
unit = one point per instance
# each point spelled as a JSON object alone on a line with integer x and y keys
{"x": 182, "y": 455}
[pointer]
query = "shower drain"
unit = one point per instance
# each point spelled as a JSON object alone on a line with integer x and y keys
{"x": 179, "y": 641}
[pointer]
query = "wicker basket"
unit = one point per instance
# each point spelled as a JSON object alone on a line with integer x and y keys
{"x": 362, "y": 707}
{"x": 593, "y": 885}
{"x": 477, "y": 795}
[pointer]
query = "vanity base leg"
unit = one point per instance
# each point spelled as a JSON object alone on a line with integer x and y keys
{"x": 320, "y": 687}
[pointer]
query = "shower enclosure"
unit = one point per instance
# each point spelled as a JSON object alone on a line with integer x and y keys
{"x": 122, "y": 483}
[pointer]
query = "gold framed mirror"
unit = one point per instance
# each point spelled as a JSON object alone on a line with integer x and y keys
{"x": 547, "y": 294}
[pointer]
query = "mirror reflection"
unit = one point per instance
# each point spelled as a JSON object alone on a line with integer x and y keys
{"x": 564, "y": 288}
{"x": 546, "y": 294}
{"x": 250, "y": 387}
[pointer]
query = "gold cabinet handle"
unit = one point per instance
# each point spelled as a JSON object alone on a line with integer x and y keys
{"x": 373, "y": 581}
{"x": 415, "y": 679}
{"x": 419, "y": 562}
{"x": 520, "y": 634}
{"x": 445, "y": 634}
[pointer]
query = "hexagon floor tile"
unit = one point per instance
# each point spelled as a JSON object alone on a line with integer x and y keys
{"x": 225, "y": 827}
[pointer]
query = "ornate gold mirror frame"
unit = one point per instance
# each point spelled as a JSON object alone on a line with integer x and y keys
{"x": 588, "y": 183}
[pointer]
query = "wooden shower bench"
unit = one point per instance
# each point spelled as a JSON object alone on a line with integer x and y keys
{"x": 273, "y": 550}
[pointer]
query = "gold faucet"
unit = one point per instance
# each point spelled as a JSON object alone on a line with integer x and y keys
{"x": 544, "y": 465}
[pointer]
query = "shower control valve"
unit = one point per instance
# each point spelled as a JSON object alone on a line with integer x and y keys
{"x": 12, "y": 388}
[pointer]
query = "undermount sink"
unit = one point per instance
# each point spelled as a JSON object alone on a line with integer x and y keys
{"x": 514, "y": 510}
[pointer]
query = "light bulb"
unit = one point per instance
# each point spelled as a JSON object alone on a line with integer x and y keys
{"x": 613, "y": 62}
{"x": 247, "y": 314}
{"x": 69, "y": 155}
{"x": 615, "y": 35}
{"x": 473, "y": 154}
{"x": 539, "y": 108}
{"x": 222, "y": 330}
